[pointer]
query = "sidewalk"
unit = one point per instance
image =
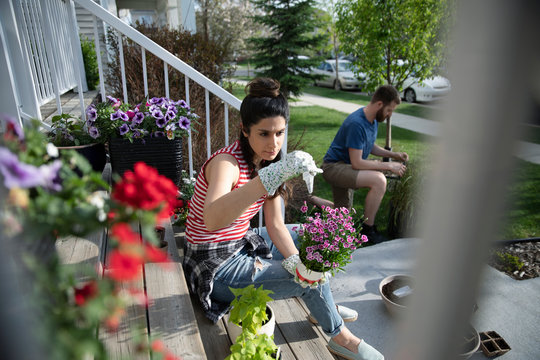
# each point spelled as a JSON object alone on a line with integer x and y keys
{"x": 526, "y": 150}
{"x": 505, "y": 305}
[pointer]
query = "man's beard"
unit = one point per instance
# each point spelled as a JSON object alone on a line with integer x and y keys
{"x": 379, "y": 116}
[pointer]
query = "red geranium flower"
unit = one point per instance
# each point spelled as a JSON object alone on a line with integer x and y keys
{"x": 123, "y": 233}
{"x": 154, "y": 254}
{"x": 158, "y": 346}
{"x": 144, "y": 188}
{"x": 169, "y": 356}
{"x": 86, "y": 292}
{"x": 112, "y": 322}
{"x": 124, "y": 266}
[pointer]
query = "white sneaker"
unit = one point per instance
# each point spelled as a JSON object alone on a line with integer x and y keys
{"x": 347, "y": 314}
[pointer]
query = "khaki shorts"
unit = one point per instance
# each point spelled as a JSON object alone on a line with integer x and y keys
{"x": 342, "y": 178}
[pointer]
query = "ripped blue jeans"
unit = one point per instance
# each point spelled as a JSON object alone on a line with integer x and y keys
{"x": 243, "y": 270}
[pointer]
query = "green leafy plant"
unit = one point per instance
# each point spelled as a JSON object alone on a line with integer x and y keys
{"x": 405, "y": 198}
{"x": 68, "y": 130}
{"x": 249, "y": 310}
{"x": 253, "y": 347}
{"x": 45, "y": 194}
{"x": 187, "y": 187}
{"x": 508, "y": 262}
{"x": 249, "y": 307}
{"x": 90, "y": 63}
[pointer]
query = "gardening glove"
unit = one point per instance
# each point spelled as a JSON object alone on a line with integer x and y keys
{"x": 290, "y": 264}
{"x": 294, "y": 163}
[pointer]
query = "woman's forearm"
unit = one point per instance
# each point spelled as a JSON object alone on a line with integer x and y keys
{"x": 224, "y": 210}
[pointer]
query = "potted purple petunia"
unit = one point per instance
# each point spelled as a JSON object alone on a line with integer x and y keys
{"x": 151, "y": 131}
{"x": 327, "y": 240}
{"x": 69, "y": 132}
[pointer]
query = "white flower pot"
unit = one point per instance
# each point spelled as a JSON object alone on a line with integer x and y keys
{"x": 268, "y": 328}
{"x": 307, "y": 275}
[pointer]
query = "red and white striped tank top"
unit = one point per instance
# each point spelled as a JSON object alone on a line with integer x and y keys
{"x": 196, "y": 231}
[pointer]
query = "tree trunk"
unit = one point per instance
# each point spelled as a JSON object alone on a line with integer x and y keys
{"x": 388, "y": 145}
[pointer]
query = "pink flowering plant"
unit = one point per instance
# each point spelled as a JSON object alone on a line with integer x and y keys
{"x": 155, "y": 117}
{"x": 328, "y": 238}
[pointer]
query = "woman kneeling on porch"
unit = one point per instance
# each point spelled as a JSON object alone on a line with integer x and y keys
{"x": 233, "y": 184}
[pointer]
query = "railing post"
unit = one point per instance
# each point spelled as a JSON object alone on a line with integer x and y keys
{"x": 76, "y": 45}
{"x": 37, "y": 50}
{"x": 190, "y": 151}
{"x": 50, "y": 53}
{"x": 145, "y": 75}
{"x": 122, "y": 65}
{"x": 226, "y": 109}
{"x": 166, "y": 74}
{"x": 207, "y": 105}
{"x": 99, "y": 60}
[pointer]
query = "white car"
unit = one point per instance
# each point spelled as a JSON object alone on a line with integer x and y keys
{"x": 347, "y": 79}
{"x": 428, "y": 90}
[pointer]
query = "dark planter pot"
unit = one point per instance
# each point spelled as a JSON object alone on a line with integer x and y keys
{"x": 94, "y": 153}
{"x": 163, "y": 154}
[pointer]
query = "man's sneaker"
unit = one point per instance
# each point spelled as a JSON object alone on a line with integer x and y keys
{"x": 348, "y": 315}
{"x": 374, "y": 237}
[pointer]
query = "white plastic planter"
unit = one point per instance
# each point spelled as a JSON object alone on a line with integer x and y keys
{"x": 268, "y": 328}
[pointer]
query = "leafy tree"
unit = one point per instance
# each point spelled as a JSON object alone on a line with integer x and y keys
{"x": 228, "y": 23}
{"x": 393, "y": 39}
{"x": 292, "y": 25}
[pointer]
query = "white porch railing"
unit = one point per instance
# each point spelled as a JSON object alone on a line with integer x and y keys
{"x": 44, "y": 27}
{"x": 168, "y": 59}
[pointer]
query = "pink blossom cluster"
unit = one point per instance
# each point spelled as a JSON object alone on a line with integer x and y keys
{"x": 328, "y": 239}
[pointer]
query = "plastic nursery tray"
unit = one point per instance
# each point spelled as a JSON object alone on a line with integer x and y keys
{"x": 493, "y": 344}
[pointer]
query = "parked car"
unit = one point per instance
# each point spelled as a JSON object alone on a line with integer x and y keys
{"x": 347, "y": 79}
{"x": 428, "y": 90}
{"x": 301, "y": 70}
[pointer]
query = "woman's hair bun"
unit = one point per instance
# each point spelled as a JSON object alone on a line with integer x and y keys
{"x": 263, "y": 87}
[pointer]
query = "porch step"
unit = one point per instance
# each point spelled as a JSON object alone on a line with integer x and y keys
{"x": 70, "y": 105}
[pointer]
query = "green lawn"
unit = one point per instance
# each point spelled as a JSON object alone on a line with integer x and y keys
{"x": 523, "y": 218}
{"x": 314, "y": 128}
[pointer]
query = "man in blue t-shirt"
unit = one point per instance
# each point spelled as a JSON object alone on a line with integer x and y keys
{"x": 346, "y": 167}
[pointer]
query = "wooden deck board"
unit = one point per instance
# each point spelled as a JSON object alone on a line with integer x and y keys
{"x": 280, "y": 340}
{"x": 305, "y": 341}
{"x": 82, "y": 253}
{"x": 120, "y": 344}
{"x": 171, "y": 316}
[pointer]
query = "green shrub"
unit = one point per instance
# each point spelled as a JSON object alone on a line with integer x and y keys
{"x": 90, "y": 63}
{"x": 405, "y": 199}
